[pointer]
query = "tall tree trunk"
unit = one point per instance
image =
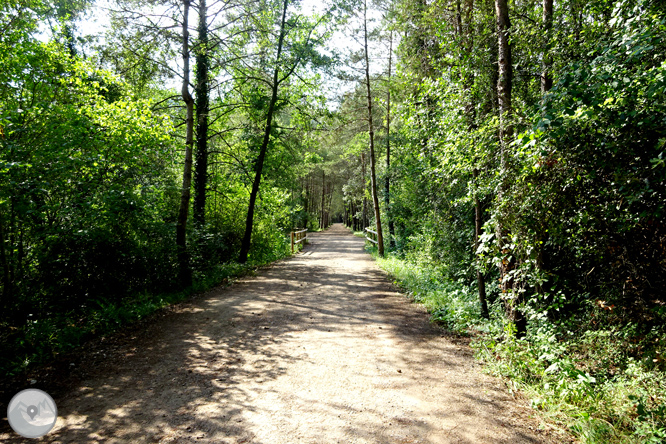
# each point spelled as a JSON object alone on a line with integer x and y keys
{"x": 6, "y": 282}
{"x": 467, "y": 39}
{"x": 504, "y": 84}
{"x": 202, "y": 109}
{"x": 323, "y": 191}
{"x": 352, "y": 217}
{"x": 546, "y": 85}
{"x": 477, "y": 234}
{"x": 371, "y": 131}
{"x": 357, "y": 222}
{"x": 387, "y": 185}
{"x": 245, "y": 245}
{"x": 505, "y": 69}
{"x": 546, "y": 76}
{"x": 364, "y": 216}
{"x": 185, "y": 273}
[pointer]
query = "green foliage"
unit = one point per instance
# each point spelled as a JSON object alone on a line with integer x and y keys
{"x": 588, "y": 383}
{"x": 40, "y": 340}
{"x": 85, "y": 184}
{"x": 89, "y": 175}
{"x": 588, "y": 197}
{"x": 580, "y": 198}
{"x": 585, "y": 383}
{"x": 451, "y": 303}
{"x": 89, "y": 183}
{"x": 272, "y": 226}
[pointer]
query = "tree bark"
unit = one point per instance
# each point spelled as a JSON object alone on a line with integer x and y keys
{"x": 505, "y": 69}
{"x": 371, "y": 131}
{"x": 245, "y": 245}
{"x": 467, "y": 39}
{"x": 202, "y": 109}
{"x": 185, "y": 273}
{"x": 483, "y": 304}
{"x": 6, "y": 282}
{"x": 504, "y": 84}
{"x": 387, "y": 185}
{"x": 546, "y": 76}
{"x": 323, "y": 190}
{"x": 364, "y": 215}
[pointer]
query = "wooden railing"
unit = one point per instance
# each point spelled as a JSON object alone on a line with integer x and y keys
{"x": 373, "y": 236}
{"x": 297, "y": 237}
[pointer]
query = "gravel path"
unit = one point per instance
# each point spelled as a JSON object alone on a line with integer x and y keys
{"x": 318, "y": 348}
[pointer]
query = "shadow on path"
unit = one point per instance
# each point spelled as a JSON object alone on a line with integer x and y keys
{"x": 318, "y": 348}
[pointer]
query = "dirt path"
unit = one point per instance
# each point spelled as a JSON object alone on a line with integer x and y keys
{"x": 319, "y": 348}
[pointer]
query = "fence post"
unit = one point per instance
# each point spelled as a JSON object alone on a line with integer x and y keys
{"x": 292, "y": 242}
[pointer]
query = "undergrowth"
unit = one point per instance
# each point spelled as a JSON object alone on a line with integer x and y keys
{"x": 451, "y": 303}
{"x": 41, "y": 340}
{"x": 602, "y": 384}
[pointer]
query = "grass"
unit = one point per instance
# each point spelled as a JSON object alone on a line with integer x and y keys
{"x": 584, "y": 383}
{"x": 452, "y": 304}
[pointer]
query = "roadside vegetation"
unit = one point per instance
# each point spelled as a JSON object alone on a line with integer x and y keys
{"x": 113, "y": 203}
{"x": 601, "y": 385}
{"x": 524, "y": 198}
{"x": 509, "y": 155}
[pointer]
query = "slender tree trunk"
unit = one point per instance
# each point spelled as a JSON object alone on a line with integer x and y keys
{"x": 329, "y": 201}
{"x": 202, "y": 109}
{"x": 364, "y": 216}
{"x": 505, "y": 69}
{"x": 459, "y": 26}
{"x": 323, "y": 190}
{"x": 181, "y": 225}
{"x": 546, "y": 76}
{"x": 477, "y": 234}
{"x": 308, "y": 206}
{"x": 467, "y": 39}
{"x": 311, "y": 185}
{"x": 357, "y": 222}
{"x": 245, "y": 245}
{"x": 504, "y": 84}
{"x": 328, "y": 205}
{"x": 546, "y": 85}
{"x": 387, "y": 185}
{"x": 371, "y": 131}
{"x": 6, "y": 282}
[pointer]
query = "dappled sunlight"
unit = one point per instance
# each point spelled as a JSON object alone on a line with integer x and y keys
{"x": 319, "y": 348}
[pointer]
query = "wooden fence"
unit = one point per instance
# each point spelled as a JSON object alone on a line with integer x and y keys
{"x": 297, "y": 237}
{"x": 373, "y": 236}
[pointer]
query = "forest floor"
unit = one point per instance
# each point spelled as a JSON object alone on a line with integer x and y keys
{"x": 317, "y": 348}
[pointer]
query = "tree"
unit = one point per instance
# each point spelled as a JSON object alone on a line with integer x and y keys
{"x": 202, "y": 110}
{"x": 183, "y": 211}
{"x": 387, "y": 183}
{"x": 301, "y": 50}
{"x": 245, "y": 246}
{"x": 546, "y": 76}
{"x": 504, "y": 89}
{"x": 83, "y": 174}
{"x": 371, "y": 134}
